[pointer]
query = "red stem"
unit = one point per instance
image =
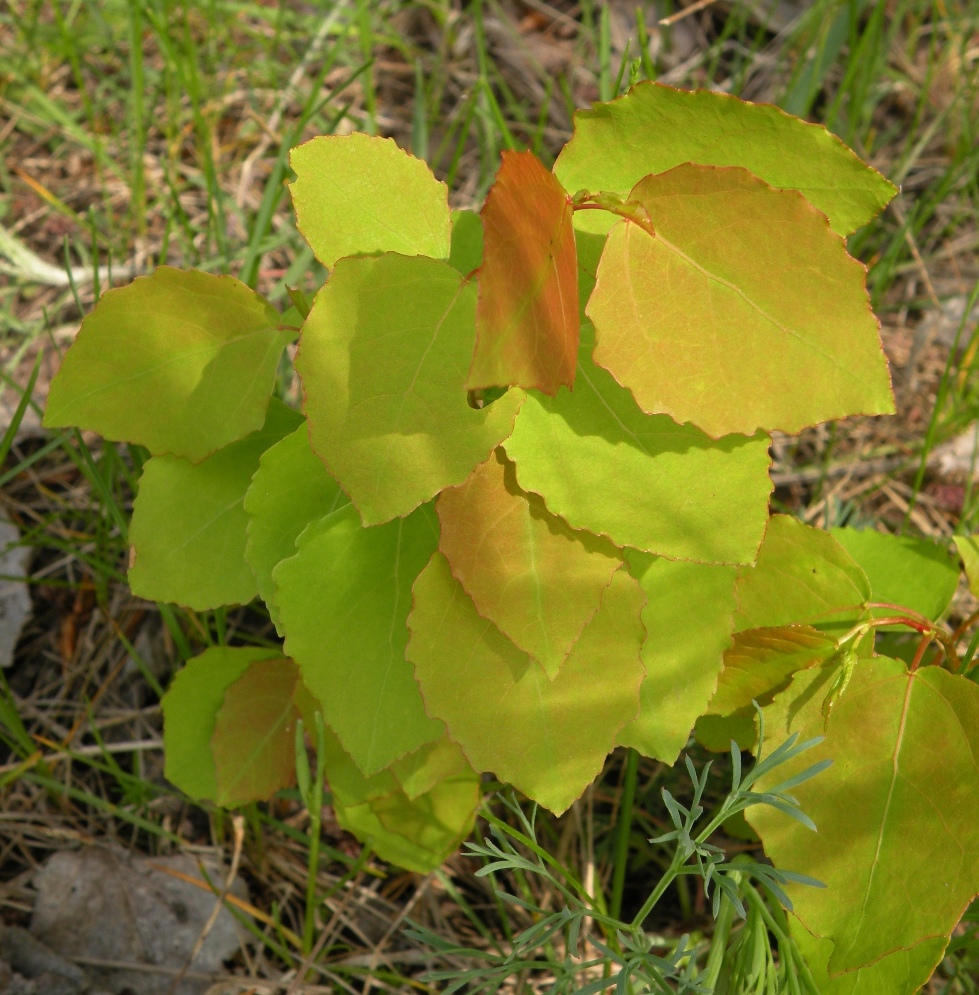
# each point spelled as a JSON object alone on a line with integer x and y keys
{"x": 900, "y": 608}
{"x": 912, "y": 623}
{"x": 920, "y": 652}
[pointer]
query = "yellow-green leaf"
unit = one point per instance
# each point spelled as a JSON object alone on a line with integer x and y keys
{"x": 190, "y": 708}
{"x": 756, "y": 667}
{"x": 383, "y": 359}
{"x": 898, "y": 840}
{"x": 181, "y": 362}
{"x": 688, "y": 618}
{"x": 420, "y": 771}
{"x": 900, "y": 973}
{"x": 347, "y": 781}
{"x": 549, "y": 738}
{"x": 254, "y": 739}
{"x": 416, "y": 832}
{"x": 362, "y": 194}
{"x": 343, "y": 601}
{"x": 903, "y": 570}
{"x": 188, "y": 531}
{"x": 603, "y": 465}
{"x": 654, "y": 128}
{"x": 466, "y": 252}
{"x": 766, "y": 323}
{"x": 803, "y": 576}
{"x": 968, "y": 547}
{"x": 290, "y": 489}
{"x": 527, "y": 319}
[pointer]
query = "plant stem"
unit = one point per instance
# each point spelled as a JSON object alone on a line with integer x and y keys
{"x": 679, "y": 859}
{"x": 664, "y": 882}
{"x": 624, "y": 832}
{"x": 632, "y": 210}
{"x": 718, "y": 943}
{"x": 315, "y": 825}
{"x": 783, "y": 937}
{"x": 926, "y": 641}
{"x": 137, "y": 116}
{"x": 920, "y": 624}
{"x": 900, "y": 609}
{"x": 309, "y": 924}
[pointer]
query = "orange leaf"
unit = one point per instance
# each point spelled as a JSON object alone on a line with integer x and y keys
{"x": 254, "y": 734}
{"x": 527, "y": 319}
{"x": 526, "y": 570}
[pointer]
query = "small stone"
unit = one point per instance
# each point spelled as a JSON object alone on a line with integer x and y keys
{"x": 36, "y": 967}
{"x": 102, "y": 904}
{"x": 15, "y": 600}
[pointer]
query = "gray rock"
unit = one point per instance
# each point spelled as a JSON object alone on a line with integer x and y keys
{"x": 39, "y": 964}
{"x": 12, "y": 983}
{"x": 100, "y": 904}
{"x": 15, "y": 600}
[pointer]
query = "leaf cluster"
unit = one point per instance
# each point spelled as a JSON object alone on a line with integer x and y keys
{"x": 522, "y": 518}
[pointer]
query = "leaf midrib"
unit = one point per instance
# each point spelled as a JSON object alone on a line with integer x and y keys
{"x": 260, "y": 747}
{"x": 181, "y": 357}
{"x": 754, "y": 305}
{"x": 895, "y": 760}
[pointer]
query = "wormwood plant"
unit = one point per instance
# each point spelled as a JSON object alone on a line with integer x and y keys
{"x": 557, "y": 944}
{"x": 523, "y": 516}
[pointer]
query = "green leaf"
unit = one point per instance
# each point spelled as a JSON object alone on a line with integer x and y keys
{"x": 418, "y": 833}
{"x": 688, "y": 619}
{"x": 345, "y": 778}
{"x": 361, "y": 194}
{"x": 589, "y": 248}
{"x": 968, "y": 548}
{"x": 767, "y": 323}
{"x": 343, "y": 602}
{"x": 803, "y": 576}
{"x": 181, "y": 362}
{"x": 756, "y": 667}
{"x": 897, "y": 842}
{"x": 466, "y": 252}
{"x": 526, "y": 571}
{"x": 190, "y": 708}
{"x": 420, "y": 771}
{"x": 188, "y": 530}
{"x": 903, "y": 570}
{"x": 654, "y": 128}
{"x": 900, "y": 973}
{"x": 549, "y": 738}
{"x": 290, "y": 489}
{"x": 383, "y": 359}
{"x": 527, "y": 319}
{"x": 642, "y": 480}
{"x": 254, "y": 740}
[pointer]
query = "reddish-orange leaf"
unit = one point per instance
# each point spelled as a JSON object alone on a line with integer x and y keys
{"x": 527, "y": 320}
{"x": 254, "y": 734}
{"x": 537, "y": 579}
